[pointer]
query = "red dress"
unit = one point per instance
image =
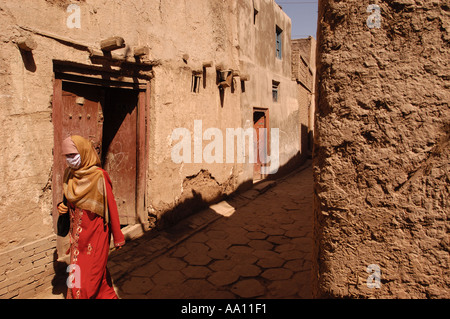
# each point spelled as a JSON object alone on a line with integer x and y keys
{"x": 89, "y": 277}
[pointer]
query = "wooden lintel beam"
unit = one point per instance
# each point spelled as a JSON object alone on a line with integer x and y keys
{"x": 97, "y": 55}
{"x": 112, "y": 43}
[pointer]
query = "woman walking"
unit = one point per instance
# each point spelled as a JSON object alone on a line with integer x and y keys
{"x": 89, "y": 200}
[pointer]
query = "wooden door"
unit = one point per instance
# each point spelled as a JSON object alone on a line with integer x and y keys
{"x": 108, "y": 118}
{"x": 76, "y": 111}
{"x": 82, "y": 111}
{"x": 119, "y": 153}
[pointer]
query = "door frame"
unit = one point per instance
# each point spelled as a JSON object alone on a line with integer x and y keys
{"x": 141, "y": 141}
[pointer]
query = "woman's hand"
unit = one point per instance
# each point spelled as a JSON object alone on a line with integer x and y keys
{"x": 62, "y": 209}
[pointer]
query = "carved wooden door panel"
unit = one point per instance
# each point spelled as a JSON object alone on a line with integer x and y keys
{"x": 82, "y": 111}
{"x": 119, "y": 149}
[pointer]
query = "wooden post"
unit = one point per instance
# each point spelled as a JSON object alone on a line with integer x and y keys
{"x": 112, "y": 43}
{"x": 141, "y": 212}
{"x": 57, "y": 115}
{"x": 27, "y": 44}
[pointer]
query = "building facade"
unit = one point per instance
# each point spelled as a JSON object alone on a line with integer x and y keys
{"x": 304, "y": 73}
{"x": 169, "y": 93}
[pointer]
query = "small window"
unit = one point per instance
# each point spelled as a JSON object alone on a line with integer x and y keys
{"x": 279, "y": 42}
{"x": 195, "y": 86}
{"x": 275, "y": 90}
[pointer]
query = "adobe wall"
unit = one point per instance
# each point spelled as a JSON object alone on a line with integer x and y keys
{"x": 26, "y": 90}
{"x": 304, "y": 72}
{"x": 257, "y": 38}
{"x": 238, "y": 43}
{"x": 199, "y": 29}
{"x": 381, "y": 157}
{"x": 198, "y": 33}
{"x": 181, "y": 37}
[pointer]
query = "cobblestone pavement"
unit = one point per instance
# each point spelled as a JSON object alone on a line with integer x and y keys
{"x": 256, "y": 245}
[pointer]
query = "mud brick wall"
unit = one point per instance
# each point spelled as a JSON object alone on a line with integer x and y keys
{"x": 382, "y": 150}
{"x": 28, "y": 269}
{"x": 301, "y": 64}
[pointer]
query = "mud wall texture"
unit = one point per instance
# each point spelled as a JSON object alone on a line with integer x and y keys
{"x": 382, "y": 150}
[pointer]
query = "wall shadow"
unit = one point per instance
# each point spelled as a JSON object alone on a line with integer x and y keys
{"x": 198, "y": 202}
{"x": 28, "y": 60}
{"x": 59, "y": 286}
{"x": 197, "y": 215}
{"x": 118, "y": 104}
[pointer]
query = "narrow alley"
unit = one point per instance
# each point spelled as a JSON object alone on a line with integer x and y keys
{"x": 257, "y": 245}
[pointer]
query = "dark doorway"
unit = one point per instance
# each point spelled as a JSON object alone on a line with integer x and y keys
{"x": 119, "y": 153}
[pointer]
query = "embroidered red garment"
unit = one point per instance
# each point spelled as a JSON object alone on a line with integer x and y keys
{"x": 89, "y": 277}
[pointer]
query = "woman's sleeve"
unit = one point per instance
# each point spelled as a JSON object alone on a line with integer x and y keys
{"x": 119, "y": 239}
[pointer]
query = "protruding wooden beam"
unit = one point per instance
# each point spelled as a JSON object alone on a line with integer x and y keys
{"x": 27, "y": 44}
{"x": 220, "y": 67}
{"x": 97, "y": 54}
{"x": 245, "y": 77}
{"x": 141, "y": 51}
{"x": 94, "y": 53}
{"x": 207, "y": 64}
{"x": 112, "y": 43}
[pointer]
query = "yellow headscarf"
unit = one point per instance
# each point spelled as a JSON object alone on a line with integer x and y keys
{"x": 85, "y": 187}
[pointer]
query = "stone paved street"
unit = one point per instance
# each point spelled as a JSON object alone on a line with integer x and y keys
{"x": 257, "y": 245}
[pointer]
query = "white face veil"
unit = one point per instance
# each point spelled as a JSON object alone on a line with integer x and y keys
{"x": 68, "y": 147}
{"x": 74, "y": 162}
